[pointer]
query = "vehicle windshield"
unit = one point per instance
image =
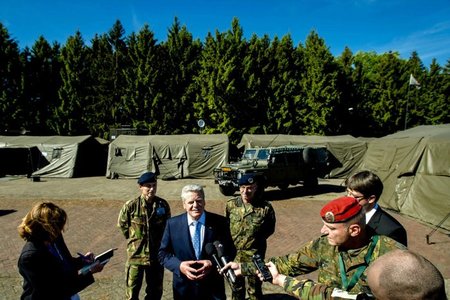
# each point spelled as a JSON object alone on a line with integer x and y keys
{"x": 263, "y": 154}
{"x": 249, "y": 154}
{"x": 255, "y": 154}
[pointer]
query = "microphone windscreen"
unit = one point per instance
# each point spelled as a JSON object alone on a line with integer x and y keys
{"x": 209, "y": 248}
{"x": 219, "y": 249}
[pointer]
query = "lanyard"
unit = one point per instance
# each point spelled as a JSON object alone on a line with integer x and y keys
{"x": 347, "y": 286}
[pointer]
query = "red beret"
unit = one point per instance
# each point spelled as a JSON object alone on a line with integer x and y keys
{"x": 340, "y": 210}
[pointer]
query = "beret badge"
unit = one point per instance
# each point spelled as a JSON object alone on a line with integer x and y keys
{"x": 329, "y": 217}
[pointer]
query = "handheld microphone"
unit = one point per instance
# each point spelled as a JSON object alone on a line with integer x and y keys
{"x": 221, "y": 253}
{"x": 211, "y": 251}
{"x": 209, "y": 248}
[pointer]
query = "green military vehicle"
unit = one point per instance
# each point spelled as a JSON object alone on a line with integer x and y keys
{"x": 276, "y": 166}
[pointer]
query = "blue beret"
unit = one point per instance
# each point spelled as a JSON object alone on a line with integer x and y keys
{"x": 147, "y": 177}
{"x": 247, "y": 179}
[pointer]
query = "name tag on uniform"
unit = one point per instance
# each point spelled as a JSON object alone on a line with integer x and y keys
{"x": 343, "y": 294}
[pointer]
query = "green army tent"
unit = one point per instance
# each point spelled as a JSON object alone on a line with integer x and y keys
{"x": 169, "y": 156}
{"x": 20, "y": 160}
{"x": 347, "y": 151}
{"x": 62, "y": 156}
{"x": 414, "y": 166}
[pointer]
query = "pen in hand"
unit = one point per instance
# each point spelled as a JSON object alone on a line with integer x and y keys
{"x": 86, "y": 258}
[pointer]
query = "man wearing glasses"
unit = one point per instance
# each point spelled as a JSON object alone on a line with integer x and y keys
{"x": 366, "y": 187}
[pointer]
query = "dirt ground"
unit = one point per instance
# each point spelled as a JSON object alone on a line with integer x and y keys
{"x": 93, "y": 205}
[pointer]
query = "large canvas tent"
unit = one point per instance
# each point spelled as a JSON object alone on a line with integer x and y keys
{"x": 59, "y": 156}
{"x": 21, "y": 160}
{"x": 347, "y": 151}
{"x": 169, "y": 156}
{"x": 414, "y": 166}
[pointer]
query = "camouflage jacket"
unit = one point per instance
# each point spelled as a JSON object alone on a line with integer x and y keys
{"x": 320, "y": 255}
{"x": 250, "y": 226}
{"x": 307, "y": 289}
{"x": 143, "y": 226}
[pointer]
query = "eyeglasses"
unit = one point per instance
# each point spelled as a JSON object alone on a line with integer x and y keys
{"x": 358, "y": 198}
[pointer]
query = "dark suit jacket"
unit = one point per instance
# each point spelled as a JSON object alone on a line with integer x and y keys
{"x": 383, "y": 223}
{"x": 46, "y": 276}
{"x": 176, "y": 247}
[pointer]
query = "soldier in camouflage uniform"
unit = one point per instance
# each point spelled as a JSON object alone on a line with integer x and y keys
{"x": 341, "y": 255}
{"x": 252, "y": 221}
{"x": 385, "y": 276}
{"x": 305, "y": 289}
{"x": 142, "y": 222}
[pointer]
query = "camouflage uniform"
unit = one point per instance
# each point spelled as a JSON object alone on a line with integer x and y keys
{"x": 143, "y": 227}
{"x": 307, "y": 289}
{"x": 250, "y": 226}
{"x": 320, "y": 255}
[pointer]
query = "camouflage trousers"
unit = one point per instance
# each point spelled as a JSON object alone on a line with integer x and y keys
{"x": 253, "y": 288}
{"x": 154, "y": 276}
{"x": 250, "y": 284}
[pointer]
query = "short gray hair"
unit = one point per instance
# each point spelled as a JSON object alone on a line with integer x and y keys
{"x": 407, "y": 275}
{"x": 192, "y": 188}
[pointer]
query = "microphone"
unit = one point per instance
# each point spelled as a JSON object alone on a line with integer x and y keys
{"x": 211, "y": 251}
{"x": 221, "y": 253}
{"x": 209, "y": 248}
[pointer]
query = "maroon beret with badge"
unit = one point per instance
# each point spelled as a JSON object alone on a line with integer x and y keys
{"x": 340, "y": 210}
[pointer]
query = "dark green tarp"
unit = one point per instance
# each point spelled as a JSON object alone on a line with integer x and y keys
{"x": 414, "y": 166}
{"x": 170, "y": 156}
{"x": 63, "y": 156}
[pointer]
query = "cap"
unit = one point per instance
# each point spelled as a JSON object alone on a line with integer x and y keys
{"x": 340, "y": 210}
{"x": 247, "y": 179}
{"x": 147, "y": 177}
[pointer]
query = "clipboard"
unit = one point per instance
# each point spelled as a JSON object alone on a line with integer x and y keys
{"x": 103, "y": 258}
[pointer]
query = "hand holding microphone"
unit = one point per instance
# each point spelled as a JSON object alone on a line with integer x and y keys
{"x": 220, "y": 260}
{"x": 211, "y": 251}
{"x": 221, "y": 253}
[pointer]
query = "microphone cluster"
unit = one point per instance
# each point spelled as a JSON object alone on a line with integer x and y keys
{"x": 217, "y": 252}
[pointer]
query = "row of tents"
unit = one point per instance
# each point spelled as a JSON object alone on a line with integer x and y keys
{"x": 414, "y": 164}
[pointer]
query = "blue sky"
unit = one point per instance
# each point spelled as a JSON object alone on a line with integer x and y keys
{"x": 362, "y": 25}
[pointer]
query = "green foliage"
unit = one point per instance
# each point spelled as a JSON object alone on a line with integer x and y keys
{"x": 235, "y": 85}
{"x": 11, "y": 107}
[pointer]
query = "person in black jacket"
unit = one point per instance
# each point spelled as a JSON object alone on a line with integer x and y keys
{"x": 366, "y": 187}
{"x": 48, "y": 269}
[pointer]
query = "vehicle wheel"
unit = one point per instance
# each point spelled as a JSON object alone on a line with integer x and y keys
{"x": 309, "y": 156}
{"x": 311, "y": 182}
{"x": 283, "y": 186}
{"x": 227, "y": 190}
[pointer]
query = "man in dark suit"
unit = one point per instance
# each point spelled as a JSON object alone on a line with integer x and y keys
{"x": 182, "y": 249}
{"x": 366, "y": 187}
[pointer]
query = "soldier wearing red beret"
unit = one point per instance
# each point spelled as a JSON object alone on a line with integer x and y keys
{"x": 341, "y": 255}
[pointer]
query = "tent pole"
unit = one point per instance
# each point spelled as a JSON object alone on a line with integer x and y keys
{"x": 433, "y": 231}
{"x": 407, "y": 102}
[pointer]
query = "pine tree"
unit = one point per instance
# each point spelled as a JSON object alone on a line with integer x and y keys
{"x": 11, "y": 109}
{"x": 319, "y": 84}
{"x": 73, "y": 93}
{"x": 180, "y": 55}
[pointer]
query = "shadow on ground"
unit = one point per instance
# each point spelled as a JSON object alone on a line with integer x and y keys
{"x": 4, "y": 212}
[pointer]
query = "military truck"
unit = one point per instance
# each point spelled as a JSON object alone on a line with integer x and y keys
{"x": 275, "y": 166}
